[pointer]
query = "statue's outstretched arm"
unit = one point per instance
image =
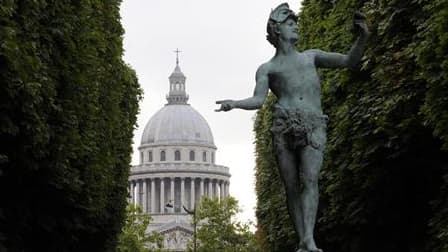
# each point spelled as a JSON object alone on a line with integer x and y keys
{"x": 254, "y": 102}
{"x": 338, "y": 60}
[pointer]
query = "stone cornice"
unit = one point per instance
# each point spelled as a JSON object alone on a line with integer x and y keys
{"x": 169, "y": 145}
{"x": 179, "y": 166}
{"x": 180, "y": 175}
{"x": 179, "y": 170}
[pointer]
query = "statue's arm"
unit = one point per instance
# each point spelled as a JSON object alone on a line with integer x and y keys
{"x": 338, "y": 60}
{"x": 254, "y": 102}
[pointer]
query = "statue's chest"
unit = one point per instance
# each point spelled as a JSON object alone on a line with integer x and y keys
{"x": 295, "y": 75}
{"x": 293, "y": 67}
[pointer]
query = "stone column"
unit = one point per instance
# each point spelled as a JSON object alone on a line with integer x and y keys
{"x": 173, "y": 200}
{"x": 145, "y": 197}
{"x": 221, "y": 189}
{"x": 131, "y": 192}
{"x": 162, "y": 195}
{"x": 215, "y": 189}
{"x": 182, "y": 193}
{"x": 224, "y": 188}
{"x": 137, "y": 193}
{"x": 201, "y": 188}
{"x": 153, "y": 195}
{"x": 227, "y": 188}
{"x": 213, "y": 183}
{"x": 192, "y": 194}
{"x": 210, "y": 188}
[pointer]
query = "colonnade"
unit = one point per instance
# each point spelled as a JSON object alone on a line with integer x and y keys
{"x": 153, "y": 194}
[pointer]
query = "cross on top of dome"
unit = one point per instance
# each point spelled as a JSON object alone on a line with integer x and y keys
{"x": 177, "y": 56}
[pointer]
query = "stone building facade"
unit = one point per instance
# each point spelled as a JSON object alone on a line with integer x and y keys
{"x": 177, "y": 166}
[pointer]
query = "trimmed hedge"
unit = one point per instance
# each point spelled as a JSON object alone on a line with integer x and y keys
{"x": 68, "y": 107}
{"x": 384, "y": 184}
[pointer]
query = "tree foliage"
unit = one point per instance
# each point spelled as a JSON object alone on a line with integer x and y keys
{"x": 384, "y": 184}
{"x": 133, "y": 236}
{"x": 218, "y": 230}
{"x": 68, "y": 106}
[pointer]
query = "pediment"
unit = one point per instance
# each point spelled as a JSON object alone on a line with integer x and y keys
{"x": 176, "y": 238}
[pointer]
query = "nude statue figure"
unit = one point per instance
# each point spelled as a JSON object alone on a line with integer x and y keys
{"x": 299, "y": 124}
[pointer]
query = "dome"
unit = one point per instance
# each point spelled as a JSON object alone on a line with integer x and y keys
{"x": 177, "y": 124}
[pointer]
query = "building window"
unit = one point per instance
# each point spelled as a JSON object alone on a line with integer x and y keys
{"x": 149, "y": 156}
{"x": 191, "y": 155}
{"x": 162, "y": 156}
{"x": 177, "y": 155}
{"x": 141, "y": 157}
{"x": 204, "y": 156}
{"x": 213, "y": 157}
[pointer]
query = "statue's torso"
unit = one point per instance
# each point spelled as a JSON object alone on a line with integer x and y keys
{"x": 295, "y": 82}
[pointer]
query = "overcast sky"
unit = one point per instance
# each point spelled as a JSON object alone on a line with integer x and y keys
{"x": 222, "y": 43}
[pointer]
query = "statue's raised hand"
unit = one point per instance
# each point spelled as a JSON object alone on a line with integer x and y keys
{"x": 226, "y": 105}
{"x": 359, "y": 23}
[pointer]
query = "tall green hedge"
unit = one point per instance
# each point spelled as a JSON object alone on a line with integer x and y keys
{"x": 68, "y": 106}
{"x": 384, "y": 184}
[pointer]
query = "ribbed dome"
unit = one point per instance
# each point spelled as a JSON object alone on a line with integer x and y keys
{"x": 177, "y": 124}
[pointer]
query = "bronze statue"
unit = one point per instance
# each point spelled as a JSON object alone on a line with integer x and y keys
{"x": 299, "y": 125}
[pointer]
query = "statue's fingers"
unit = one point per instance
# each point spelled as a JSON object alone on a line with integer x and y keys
{"x": 222, "y": 108}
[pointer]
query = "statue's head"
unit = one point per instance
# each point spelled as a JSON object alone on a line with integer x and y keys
{"x": 279, "y": 16}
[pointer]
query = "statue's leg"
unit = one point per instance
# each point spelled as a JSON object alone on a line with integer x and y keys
{"x": 310, "y": 165}
{"x": 286, "y": 161}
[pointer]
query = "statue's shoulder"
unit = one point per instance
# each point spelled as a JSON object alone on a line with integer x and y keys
{"x": 311, "y": 52}
{"x": 265, "y": 68}
{"x": 311, "y": 55}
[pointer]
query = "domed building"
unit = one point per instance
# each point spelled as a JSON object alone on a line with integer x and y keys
{"x": 177, "y": 166}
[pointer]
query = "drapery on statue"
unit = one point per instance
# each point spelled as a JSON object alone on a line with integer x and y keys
{"x": 299, "y": 125}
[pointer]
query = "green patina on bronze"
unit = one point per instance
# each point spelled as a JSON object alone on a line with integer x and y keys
{"x": 298, "y": 117}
